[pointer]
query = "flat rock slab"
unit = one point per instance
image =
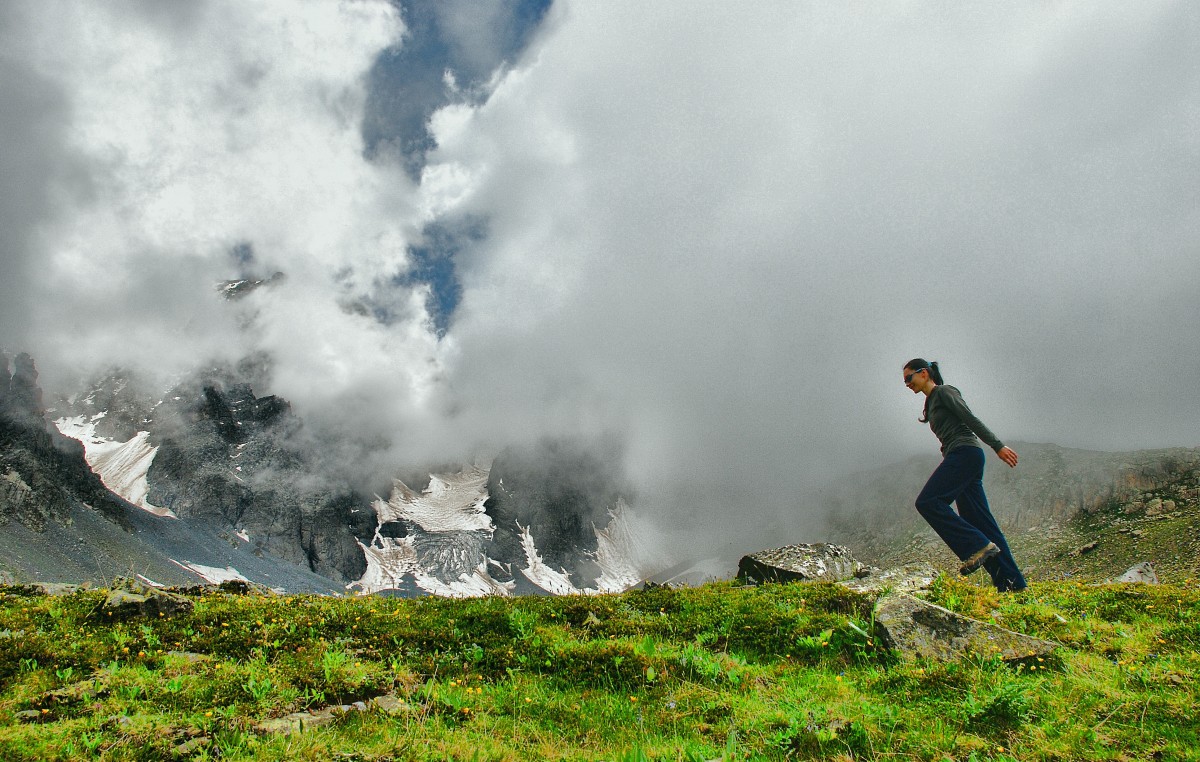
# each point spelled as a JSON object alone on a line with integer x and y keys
{"x": 909, "y": 578}
{"x": 803, "y": 561}
{"x": 298, "y": 722}
{"x": 919, "y": 629}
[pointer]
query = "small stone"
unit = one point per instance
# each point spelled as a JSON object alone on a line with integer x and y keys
{"x": 389, "y": 704}
{"x": 124, "y": 603}
{"x": 909, "y": 578}
{"x": 33, "y": 715}
{"x": 187, "y": 748}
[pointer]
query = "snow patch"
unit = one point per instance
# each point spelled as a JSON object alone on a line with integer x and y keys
{"x": 550, "y": 580}
{"x": 211, "y": 573}
{"x": 451, "y": 502}
{"x": 389, "y": 565}
{"x": 618, "y": 546}
{"x": 149, "y": 581}
{"x": 121, "y": 466}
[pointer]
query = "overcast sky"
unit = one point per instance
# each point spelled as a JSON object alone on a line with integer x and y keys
{"x": 712, "y": 231}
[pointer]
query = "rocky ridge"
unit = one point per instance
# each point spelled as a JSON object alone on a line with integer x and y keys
{"x": 213, "y": 454}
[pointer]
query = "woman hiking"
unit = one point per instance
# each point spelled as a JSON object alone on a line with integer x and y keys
{"x": 972, "y": 533}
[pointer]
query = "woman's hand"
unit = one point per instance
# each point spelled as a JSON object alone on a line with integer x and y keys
{"x": 1008, "y": 455}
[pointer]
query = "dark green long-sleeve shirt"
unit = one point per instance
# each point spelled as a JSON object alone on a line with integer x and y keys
{"x": 953, "y": 423}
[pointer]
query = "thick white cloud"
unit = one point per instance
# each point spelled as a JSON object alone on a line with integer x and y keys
{"x": 200, "y": 127}
{"x": 724, "y": 228}
{"x": 715, "y": 231}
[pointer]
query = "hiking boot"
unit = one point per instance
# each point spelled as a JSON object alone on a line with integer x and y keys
{"x": 977, "y": 558}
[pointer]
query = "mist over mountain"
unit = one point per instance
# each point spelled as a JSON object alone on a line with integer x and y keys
{"x": 211, "y": 482}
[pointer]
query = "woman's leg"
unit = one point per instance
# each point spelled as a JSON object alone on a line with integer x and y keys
{"x": 960, "y": 469}
{"x": 973, "y": 507}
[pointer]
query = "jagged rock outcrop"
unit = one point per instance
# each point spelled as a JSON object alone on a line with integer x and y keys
{"x": 919, "y": 629}
{"x": 217, "y": 456}
{"x": 803, "y": 561}
{"x": 43, "y": 474}
{"x": 230, "y": 458}
{"x": 442, "y": 539}
{"x": 243, "y": 287}
{"x": 559, "y": 494}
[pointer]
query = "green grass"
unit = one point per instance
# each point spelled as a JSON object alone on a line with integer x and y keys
{"x": 716, "y": 672}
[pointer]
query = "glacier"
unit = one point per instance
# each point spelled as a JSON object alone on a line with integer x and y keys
{"x": 121, "y": 466}
{"x": 447, "y": 522}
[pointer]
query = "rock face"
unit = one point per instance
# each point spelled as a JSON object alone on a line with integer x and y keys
{"x": 43, "y": 475}
{"x": 64, "y": 525}
{"x": 793, "y": 563}
{"x": 457, "y": 537}
{"x": 217, "y": 456}
{"x": 916, "y": 628}
{"x": 223, "y": 457}
{"x": 557, "y": 495}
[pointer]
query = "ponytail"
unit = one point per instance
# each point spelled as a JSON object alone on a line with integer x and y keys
{"x": 918, "y": 365}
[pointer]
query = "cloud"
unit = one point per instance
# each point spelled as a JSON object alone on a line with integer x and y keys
{"x": 710, "y": 233}
{"x": 724, "y": 231}
{"x": 213, "y": 141}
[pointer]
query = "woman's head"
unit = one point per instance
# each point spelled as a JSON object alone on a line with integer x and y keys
{"x": 917, "y": 372}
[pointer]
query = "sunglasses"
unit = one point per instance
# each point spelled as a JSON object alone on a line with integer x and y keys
{"x": 908, "y": 378}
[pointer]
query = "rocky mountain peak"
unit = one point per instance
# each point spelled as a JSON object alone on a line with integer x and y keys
{"x": 20, "y": 395}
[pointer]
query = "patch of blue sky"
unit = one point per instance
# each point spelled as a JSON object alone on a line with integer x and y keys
{"x": 469, "y": 40}
{"x": 433, "y": 264}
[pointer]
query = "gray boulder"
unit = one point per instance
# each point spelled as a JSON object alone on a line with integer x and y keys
{"x": 134, "y": 600}
{"x": 1143, "y": 572}
{"x": 919, "y": 629}
{"x": 803, "y": 561}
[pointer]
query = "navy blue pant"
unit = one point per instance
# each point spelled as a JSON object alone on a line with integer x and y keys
{"x": 959, "y": 480}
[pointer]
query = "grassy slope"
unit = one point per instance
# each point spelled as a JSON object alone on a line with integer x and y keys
{"x": 718, "y": 671}
{"x": 782, "y": 671}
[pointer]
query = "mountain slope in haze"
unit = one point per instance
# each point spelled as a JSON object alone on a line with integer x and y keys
{"x": 61, "y": 524}
{"x": 42, "y": 474}
{"x": 1056, "y": 501}
{"x": 209, "y": 452}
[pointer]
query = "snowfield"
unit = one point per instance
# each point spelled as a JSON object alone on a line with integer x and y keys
{"x": 448, "y": 514}
{"x": 122, "y": 466}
